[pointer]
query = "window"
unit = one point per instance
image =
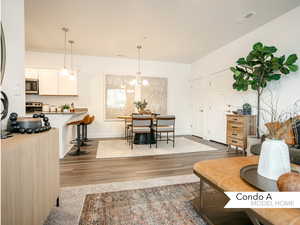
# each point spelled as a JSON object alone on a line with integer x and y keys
{"x": 116, "y": 98}
{"x": 120, "y": 95}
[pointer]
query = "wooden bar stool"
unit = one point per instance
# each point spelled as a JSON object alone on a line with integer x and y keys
{"x": 78, "y": 151}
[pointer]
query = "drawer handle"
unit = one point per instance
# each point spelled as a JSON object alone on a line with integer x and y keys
{"x": 233, "y": 141}
{"x": 234, "y": 134}
{"x": 234, "y": 127}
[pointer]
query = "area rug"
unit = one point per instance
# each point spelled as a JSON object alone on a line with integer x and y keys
{"x": 120, "y": 148}
{"x": 72, "y": 198}
{"x": 152, "y": 206}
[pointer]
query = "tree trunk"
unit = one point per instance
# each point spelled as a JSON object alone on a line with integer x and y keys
{"x": 258, "y": 115}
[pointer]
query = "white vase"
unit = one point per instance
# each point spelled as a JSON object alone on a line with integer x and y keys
{"x": 274, "y": 159}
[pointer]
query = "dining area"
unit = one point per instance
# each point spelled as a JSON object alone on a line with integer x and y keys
{"x": 146, "y": 128}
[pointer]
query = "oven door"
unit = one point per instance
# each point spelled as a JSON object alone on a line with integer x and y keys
{"x": 32, "y": 86}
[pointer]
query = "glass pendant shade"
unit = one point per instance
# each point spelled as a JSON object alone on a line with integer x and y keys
{"x": 64, "y": 72}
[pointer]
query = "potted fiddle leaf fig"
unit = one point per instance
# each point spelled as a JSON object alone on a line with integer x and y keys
{"x": 259, "y": 68}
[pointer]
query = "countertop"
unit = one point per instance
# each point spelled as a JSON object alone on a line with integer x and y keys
{"x": 77, "y": 111}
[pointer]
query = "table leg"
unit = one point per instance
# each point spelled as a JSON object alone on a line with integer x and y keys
{"x": 253, "y": 219}
{"x": 201, "y": 194}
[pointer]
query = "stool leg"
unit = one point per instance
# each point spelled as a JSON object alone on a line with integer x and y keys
{"x": 78, "y": 138}
{"x": 79, "y": 141}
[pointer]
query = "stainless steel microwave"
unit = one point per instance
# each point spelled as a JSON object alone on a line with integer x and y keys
{"x": 32, "y": 86}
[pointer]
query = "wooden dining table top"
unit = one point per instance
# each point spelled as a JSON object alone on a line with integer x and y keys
{"x": 128, "y": 117}
{"x": 225, "y": 174}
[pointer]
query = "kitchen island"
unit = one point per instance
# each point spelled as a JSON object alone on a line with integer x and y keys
{"x": 67, "y": 133}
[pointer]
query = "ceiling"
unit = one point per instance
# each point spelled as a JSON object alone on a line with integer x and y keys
{"x": 175, "y": 30}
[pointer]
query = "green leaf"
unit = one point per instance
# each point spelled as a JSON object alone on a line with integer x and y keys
{"x": 258, "y": 46}
{"x": 233, "y": 69}
{"x": 241, "y": 61}
{"x": 293, "y": 68}
{"x": 291, "y": 59}
{"x": 275, "y": 76}
{"x": 281, "y": 59}
{"x": 284, "y": 70}
{"x": 269, "y": 50}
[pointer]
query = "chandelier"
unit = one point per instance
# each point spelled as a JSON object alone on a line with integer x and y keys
{"x": 138, "y": 81}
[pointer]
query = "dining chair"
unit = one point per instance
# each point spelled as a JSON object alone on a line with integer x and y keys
{"x": 128, "y": 124}
{"x": 141, "y": 124}
{"x": 164, "y": 124}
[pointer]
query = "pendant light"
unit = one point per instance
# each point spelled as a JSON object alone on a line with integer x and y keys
{"x": 64, "y": 71}
{"x": 73, "y": 73}
{"x": 138, "y": 79}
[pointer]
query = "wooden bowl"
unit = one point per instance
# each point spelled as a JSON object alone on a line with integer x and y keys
{"x": 289, "y": 182}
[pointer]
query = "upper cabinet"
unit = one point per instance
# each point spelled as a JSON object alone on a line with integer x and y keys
{"x": 67, "y": 85}
{"x": 31, "y": 73}
{"x": 48, "y": 82}
{"x": 52, "y": 83}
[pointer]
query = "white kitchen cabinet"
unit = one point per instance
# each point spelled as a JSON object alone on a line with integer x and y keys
{"x": 67, "y": 85}
{"x": 31, "y": 73}
{"x": 48, "y": 82}
{"x": 51, "y": 83}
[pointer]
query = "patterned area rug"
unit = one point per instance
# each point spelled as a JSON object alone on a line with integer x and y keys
{"x": 119, "y": 148}
{"x": 165, "y": 205}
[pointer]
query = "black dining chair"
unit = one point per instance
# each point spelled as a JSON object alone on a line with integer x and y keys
{"x": 164, "y": 124}
{"x": 141, "y": 124}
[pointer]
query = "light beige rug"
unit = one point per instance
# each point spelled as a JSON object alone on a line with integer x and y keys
{"x": 121, "y": 149}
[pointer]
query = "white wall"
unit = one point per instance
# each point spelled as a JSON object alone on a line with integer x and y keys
{"x": 283, "y": 32}
{"x": 91, "y": 87}
{"x": 13, "y": 84}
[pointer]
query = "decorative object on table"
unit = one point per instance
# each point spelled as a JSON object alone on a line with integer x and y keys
{"x": 289, "y": 182}
{"x": 247, "y": 110}
{"x": 274, "y": 157}
{"x": 239, "y": 112}
{"x": 260, "y": 67}
{"x": 66, "y": 108}
{"x": 141, "y": 106}
{"x": 250, "y": 175}
{"x": 28, "y": 125}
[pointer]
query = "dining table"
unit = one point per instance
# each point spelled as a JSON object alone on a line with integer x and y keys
{"x": 141, "y": 138}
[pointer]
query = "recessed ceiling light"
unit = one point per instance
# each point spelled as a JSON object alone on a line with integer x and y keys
{"x": 120, "y": 55}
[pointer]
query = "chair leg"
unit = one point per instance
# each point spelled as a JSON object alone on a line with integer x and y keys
{"x": 173, "y": 139}
{"x": 132, "y": 140}
{"x": 156, "y": 138}
{"x": 167, "y": 137}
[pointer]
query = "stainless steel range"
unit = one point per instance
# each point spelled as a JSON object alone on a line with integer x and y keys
{"x": 34, "y": 107}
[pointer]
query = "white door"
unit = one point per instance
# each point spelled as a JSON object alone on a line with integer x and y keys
{"x": 198, "y": 122}
{"x": 67, "y": 85}
{"x": 48, "y": 82}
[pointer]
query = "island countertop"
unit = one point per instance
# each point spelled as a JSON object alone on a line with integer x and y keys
{"x": 77, "y": 111}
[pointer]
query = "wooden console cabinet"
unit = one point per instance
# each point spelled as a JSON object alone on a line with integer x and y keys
{"x": 238, "y": 128}
{"x": 29, "y": 177}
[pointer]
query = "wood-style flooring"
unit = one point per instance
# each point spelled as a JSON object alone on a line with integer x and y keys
{"x": 87, "y": 169}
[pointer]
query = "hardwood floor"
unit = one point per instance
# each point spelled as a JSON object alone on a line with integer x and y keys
{"x": 87, "y": 169}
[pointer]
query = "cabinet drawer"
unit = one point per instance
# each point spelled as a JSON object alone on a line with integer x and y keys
{"x": 235, "y": 133}
{"x": 236, "y": 142}
{"x": 238, "y": 119}
{"x": 235, "y": 125}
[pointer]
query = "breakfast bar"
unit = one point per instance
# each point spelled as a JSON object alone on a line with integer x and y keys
{"x": 59, "y": 120}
